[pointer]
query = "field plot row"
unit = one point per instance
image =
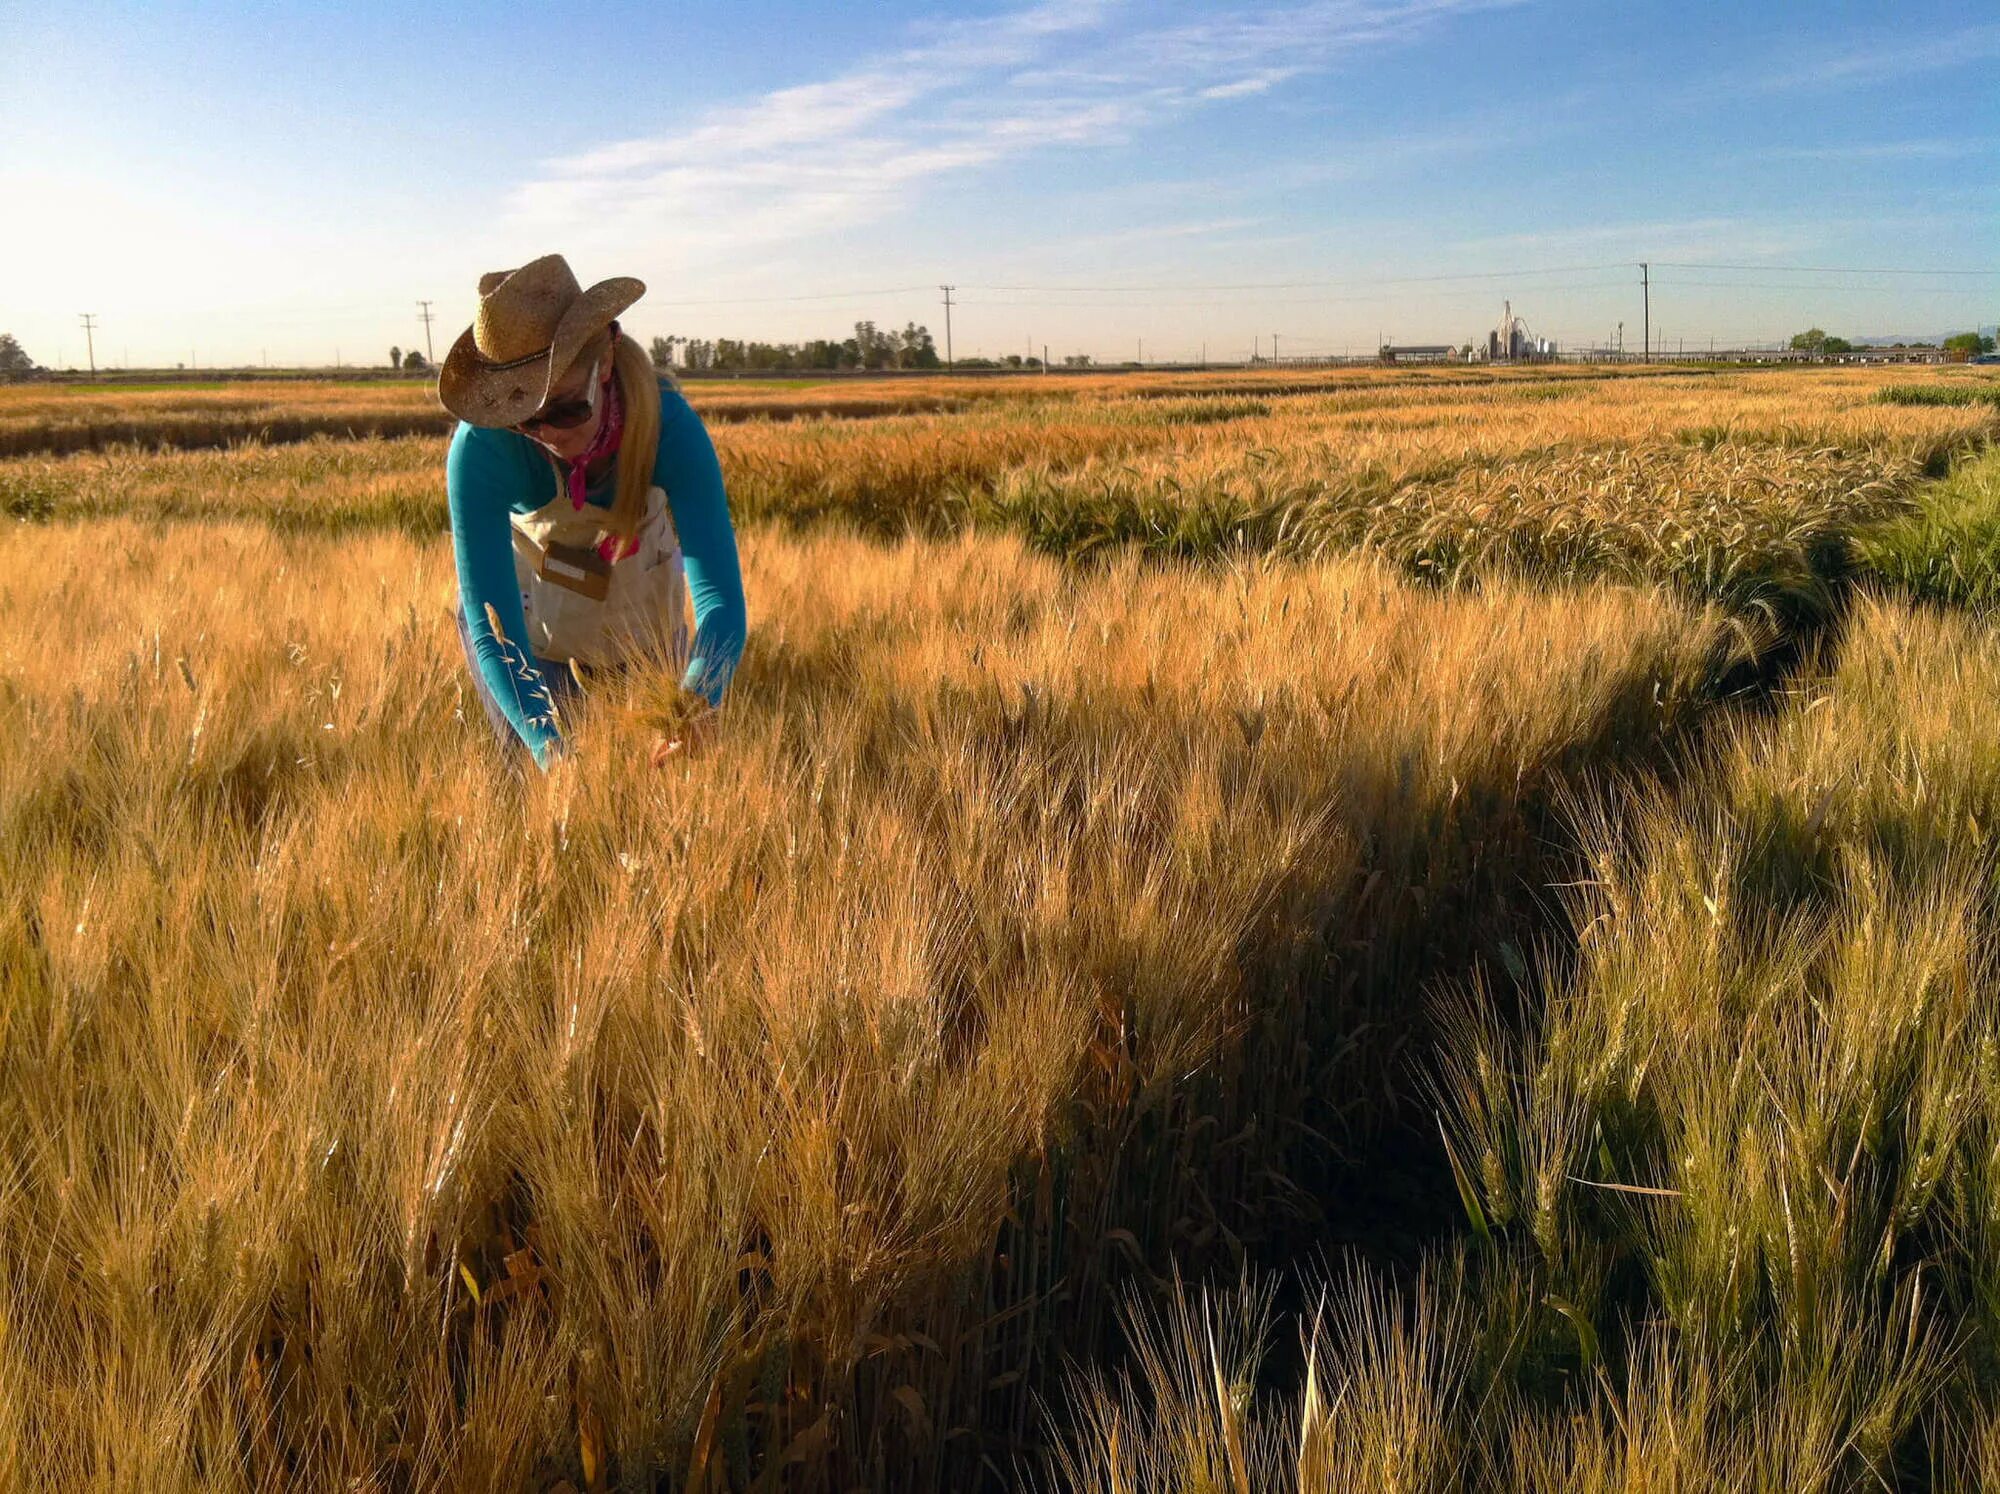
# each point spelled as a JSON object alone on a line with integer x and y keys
{"x": 1743, "y": 487}
{"x": 38, "y": 418}
{"x": 1028, "y": 929}
{"x": 1733, "y": 1186}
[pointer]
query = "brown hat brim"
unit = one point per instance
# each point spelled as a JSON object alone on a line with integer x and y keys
{"x": 482, "y": 393}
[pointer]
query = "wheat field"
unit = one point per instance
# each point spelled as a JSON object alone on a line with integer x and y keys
{"x": 69, "y": 418}
{"x": 1370, "y": 932}
{"x": 1731, "y": 1186}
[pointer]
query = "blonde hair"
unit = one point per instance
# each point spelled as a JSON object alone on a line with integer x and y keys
{"x": 639, "y": 445}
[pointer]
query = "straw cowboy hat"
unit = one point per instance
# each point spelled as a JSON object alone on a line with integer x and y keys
{"x": 532, "y": 323}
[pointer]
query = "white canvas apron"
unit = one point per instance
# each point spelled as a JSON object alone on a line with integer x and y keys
{"x": 644, "y": 608}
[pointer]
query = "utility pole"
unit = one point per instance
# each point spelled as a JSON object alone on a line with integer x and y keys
{"x": 1646, "y": 290}
{"x": 1142, "y": 350}
{"x": 1045, "y": 357}
{"x": 425, "y": 317}
{"x": 90, "y": 342}
{"x": 1274, "y": 347}
{"x": 949, "y": 362}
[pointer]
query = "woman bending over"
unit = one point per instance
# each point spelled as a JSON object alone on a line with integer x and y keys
{"x": 587, "y": 508}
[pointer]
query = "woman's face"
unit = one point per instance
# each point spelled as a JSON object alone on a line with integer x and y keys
{"x": 572, "y": 443}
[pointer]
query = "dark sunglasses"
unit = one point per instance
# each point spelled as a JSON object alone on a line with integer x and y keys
{"x": 567, "y": 414}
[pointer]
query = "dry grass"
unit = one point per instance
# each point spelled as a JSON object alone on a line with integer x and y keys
{"x": 1744, "y": 487}
{"x": 1033, "y": 933}
{"x": 55, "y": 419}
{"x": 1641, "y": 403}
{"x": 373, "y": 1123}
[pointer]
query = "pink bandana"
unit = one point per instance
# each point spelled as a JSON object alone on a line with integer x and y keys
{"x": 608, "y": 432}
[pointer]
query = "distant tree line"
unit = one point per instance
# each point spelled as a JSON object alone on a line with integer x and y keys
{"x": 14, "y": 360}
{"x": 869, "y": 347}
{"x": 1814, "y": 340}
{"x": 1015, "y": 360}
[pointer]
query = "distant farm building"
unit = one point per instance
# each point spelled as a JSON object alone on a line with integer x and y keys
{"x": 1430, "y": 352}
{"x": 1511, "y": 341}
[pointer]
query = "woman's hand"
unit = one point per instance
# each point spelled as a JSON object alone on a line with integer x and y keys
{"x": 688, "y": 738}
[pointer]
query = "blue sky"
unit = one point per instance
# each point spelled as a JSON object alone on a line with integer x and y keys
{"x": 225, "y": 182}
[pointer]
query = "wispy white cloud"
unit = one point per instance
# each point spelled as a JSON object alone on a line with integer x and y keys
{"x": 1245, "y": 87}
{"x": 1153, "y": 233}
{"x": 832, "y": 154}
{"x": 1769, "y": 239}
{"x": 1707, "y": 238}
{"x": 1888, "y": 63}
{"x": 1834, "y": 71}
{"x": 1885, "y": 150}
{"x": 1306, "y": 36}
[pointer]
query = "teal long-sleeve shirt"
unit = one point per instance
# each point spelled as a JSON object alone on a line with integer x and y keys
{"x": 491, "y": 474}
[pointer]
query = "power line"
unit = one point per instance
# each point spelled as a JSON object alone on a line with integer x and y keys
{"x": 1706, "y": 277}
{"x": 853, "y": 295}
{"x": 1080, "y": 302}
{"x": 1372, "y": 299}
{"x": 1646, "y": 290}
{"x": 1310, "y": 284}
{"x": 1796, "y": 286}
{"x": 1818, "y": 269}
{"x": 1326, "y": 283}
